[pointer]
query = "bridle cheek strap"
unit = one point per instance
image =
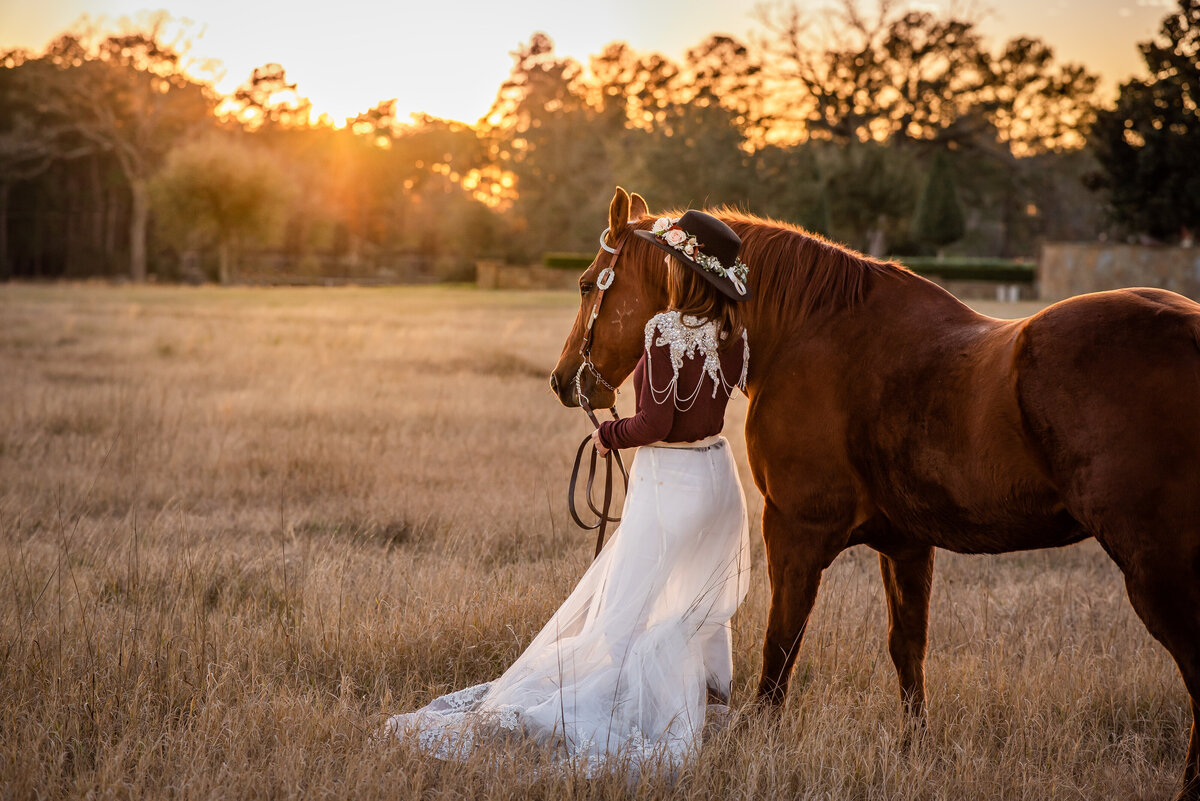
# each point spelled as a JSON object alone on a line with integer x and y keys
{"x": 603, "y": 282}
{"x": 603, "y": 518}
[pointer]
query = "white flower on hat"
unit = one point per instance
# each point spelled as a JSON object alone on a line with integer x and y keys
{"x": 675, "y": 237}
{"x": 666, "y": 230}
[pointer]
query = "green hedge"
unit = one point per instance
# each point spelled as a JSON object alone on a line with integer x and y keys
{"x": 963, "y": 268}
{"x": 957, "y": 268}
{"x": 568, "y": 261}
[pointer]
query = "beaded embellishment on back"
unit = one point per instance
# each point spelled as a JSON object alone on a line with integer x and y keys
{"x": 688, "y": 336}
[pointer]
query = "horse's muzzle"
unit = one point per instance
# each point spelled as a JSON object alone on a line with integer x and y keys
{"x": 564, "y": 389}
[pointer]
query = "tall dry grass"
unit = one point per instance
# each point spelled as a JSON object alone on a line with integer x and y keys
{"x": 241, "y": 527}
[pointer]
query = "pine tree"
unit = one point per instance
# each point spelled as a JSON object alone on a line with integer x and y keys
{"x": 938, "y": 220}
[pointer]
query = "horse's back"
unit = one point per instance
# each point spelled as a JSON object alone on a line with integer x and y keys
{"x": 1109, "y": 388}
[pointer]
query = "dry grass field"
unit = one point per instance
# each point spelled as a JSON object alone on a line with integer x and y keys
{"x": 241, "y": 527}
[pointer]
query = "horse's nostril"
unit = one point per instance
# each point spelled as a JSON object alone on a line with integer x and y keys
{"x": 554, "y": 383}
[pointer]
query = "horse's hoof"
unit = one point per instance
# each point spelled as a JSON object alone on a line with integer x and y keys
{"x": 914, "y": 733}
{"x": 1190, "y": 791}
{"x": 769, "y": 703}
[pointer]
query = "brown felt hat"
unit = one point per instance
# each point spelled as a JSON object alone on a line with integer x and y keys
{"x": 707, "y": 245}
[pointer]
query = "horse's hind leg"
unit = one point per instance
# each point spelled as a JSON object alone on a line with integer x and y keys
{"x": 1169, "y": 605}
{"x": 1164, "y": 587}
{"x": 1108, "y": 387}
{"x": 1191, "y": 773}
{"x": 907, "y": 582}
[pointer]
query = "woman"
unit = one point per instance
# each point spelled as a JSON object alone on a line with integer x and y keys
{"x": 628, "y": 667}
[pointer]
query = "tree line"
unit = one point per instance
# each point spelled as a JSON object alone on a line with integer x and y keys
{"x": 896, "y": 131}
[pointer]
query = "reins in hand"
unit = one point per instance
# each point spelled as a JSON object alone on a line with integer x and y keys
{"x": 602, "y": 513}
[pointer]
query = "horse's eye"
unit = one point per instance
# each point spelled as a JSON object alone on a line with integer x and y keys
{"x": 586, "y": 288}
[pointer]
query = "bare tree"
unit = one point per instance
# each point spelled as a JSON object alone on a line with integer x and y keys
{"x": 916, "y": 76}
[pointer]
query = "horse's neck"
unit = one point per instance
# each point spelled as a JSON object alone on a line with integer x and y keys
{"x": 896, "y": 303}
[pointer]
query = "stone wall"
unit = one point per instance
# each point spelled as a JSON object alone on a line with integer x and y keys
{"x": 1067, "y": 269}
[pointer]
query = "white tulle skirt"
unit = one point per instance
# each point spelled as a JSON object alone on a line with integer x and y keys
{"x": 621, "y": 673}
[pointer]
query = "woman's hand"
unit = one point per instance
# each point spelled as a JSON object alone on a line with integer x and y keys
{"x": 600, "y": 449}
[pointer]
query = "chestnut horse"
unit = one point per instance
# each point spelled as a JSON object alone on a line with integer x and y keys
{"x": 884, "y": 412}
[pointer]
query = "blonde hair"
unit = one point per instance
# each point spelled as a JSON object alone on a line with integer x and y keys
{"x": 690, "y": 294}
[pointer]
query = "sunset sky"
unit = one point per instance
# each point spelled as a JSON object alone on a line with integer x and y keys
{"x": 448, "y": 58}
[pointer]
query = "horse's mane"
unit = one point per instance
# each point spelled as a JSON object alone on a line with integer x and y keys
{"x": 794, "y": 274}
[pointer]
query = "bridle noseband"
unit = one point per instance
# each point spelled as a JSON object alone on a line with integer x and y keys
{"x": 603, "y": 282}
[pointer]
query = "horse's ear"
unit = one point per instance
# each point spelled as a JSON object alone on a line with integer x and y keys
{"x": 618, "y": 216}
{"x": 637, "y": 207}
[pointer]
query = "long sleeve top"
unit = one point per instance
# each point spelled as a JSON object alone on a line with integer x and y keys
{"x": 682, "y": 382}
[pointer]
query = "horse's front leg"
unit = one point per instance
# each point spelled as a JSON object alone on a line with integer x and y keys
{"x": 907, "y": 582}
{"x": 797, "y": 553}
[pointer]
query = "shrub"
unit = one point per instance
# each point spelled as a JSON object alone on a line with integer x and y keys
{"x": 973, "y": 269}
{"x": 568, "y": 261}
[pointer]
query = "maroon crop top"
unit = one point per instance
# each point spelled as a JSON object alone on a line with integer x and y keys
{"x": 658, "y": 418}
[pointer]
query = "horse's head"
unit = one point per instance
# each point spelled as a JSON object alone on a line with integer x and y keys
{"x": 613, "y": 310}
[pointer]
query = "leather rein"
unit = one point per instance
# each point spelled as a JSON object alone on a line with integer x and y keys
{"x": 602, "y": 512}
